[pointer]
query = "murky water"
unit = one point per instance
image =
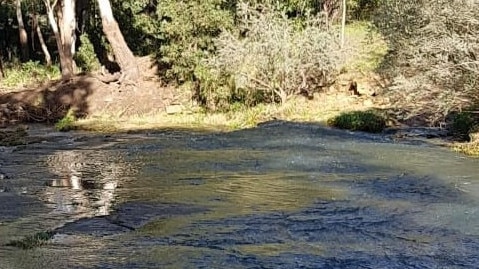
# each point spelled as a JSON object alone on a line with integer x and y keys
{"x": 278, "y": 196}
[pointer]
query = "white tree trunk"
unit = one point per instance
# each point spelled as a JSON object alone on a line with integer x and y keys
{"x": 63, "y": 35}
{"x": 106, "y": 12}
{"x": 343, "y": 23}
{"x": 69, "y": 25}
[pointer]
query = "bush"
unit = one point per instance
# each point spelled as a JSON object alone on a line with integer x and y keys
{"x": 462, "y": 125}
{"x": 67, "y": 123}
{"x": 86, "y": 57}
{"x": 36, "y": 240}
{"x": 366, "y": 121}
{"x": 271, "y": 58}
{"x": 188, "y": 28}
{"x": 434, "y": 47}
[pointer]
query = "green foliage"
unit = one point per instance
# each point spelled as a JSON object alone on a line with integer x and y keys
{"x": 463, "y": 123}
{"x": 362, "y": 9}
{"x": 366, "y": 121}
{"x": 66, "y": 123}
{"x": 29, "y": 73}
{"x": 139, "y": 24}
{"x": 214, "y": 88}
{"x": 269, "y": 58}
{"x": 86, "y": 57}
{"x": 33, "y": 241}
{"x": 365, "y": 48}
{"x": 295, "y": 8}
{"x": 187, "y": 28}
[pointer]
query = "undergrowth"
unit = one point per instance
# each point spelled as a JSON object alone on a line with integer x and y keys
{"x": 32, "y": 241}
{"x": 366, "y": 121}
{"x": 67, "y": 123}
{"x": 29, "y": 73}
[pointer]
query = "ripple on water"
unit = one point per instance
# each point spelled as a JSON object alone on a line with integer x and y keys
{"x": 277, "y": 196}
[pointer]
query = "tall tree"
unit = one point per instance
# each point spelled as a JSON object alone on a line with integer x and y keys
{"x": 343, "y": 22}
{"x": 36, "y": 26}
{"x": 123, "y": 55}
{"x": 21, "y": 31}
{"x": 64, "y": 35}
{"x": 2, "y": 74}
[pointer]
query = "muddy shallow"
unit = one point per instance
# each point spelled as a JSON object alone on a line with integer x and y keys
{"x": 282, "y": 195}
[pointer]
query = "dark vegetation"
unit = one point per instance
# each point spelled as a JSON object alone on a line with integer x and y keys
{"x": 32, "y": 241}
{"x": 366, "y": 121}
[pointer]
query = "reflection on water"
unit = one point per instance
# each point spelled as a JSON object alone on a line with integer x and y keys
{"x": 279, "y": 196}
{"x": 71, "y": 192}
{"x": 84, "y": 182}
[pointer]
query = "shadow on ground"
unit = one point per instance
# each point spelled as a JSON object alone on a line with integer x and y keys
{"x": 48, "y": 103}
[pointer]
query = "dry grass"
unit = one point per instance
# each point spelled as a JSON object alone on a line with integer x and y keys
{"x": 300, "y": 109}
{"x": 471, "y": 148}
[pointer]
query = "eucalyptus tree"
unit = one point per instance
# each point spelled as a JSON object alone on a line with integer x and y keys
{"x": 61, "y": 16}
{"x": 41, "y": 39}
{"x": 123, "y": 55}
{"x": 21, "y": 31}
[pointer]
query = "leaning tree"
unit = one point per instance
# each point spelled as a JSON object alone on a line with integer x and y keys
{"x": 123, "y": 55}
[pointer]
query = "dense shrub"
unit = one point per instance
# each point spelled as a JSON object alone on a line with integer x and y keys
{"x": 270, "y": 58}
{"x": 462, "y": 124}
{"x": 433, "y": 59}
{"x": 86, "y": 58}
{"x": 187, "y": 28}
{"x": 366, "y": 121}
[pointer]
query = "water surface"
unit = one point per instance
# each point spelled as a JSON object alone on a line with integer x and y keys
{"x": 283, "y": 195}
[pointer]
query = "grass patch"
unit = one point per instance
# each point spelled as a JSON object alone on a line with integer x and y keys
{"x": 246, "y": 117}
{"x": 471, "y": 148}
{"x": 29, "y": 73}
{"x": 33, "y": 241}
{"x": 298, "y": 109}
{"x": 365, "y": 47}
{"x": 366, "y": 121}
{"x": 67, "y": 123}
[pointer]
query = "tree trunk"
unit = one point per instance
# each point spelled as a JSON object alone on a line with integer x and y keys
{"x": 330, "y": 8}
{"x": 123, "y": 55}
{"x": 68, "y": 33}
{"x": 82, "y": 11}
{"x": 22, "y": 32}
{"x": 48, "y": 58}
{"x": 62, "y": 39}
{"x": 2, "y": 74}
{"x": 343, "y": 23}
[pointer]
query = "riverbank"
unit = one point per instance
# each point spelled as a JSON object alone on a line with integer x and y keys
{"x": 87, "y": 103}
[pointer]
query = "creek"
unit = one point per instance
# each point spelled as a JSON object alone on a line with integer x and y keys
{"x": 281, "y": 195}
